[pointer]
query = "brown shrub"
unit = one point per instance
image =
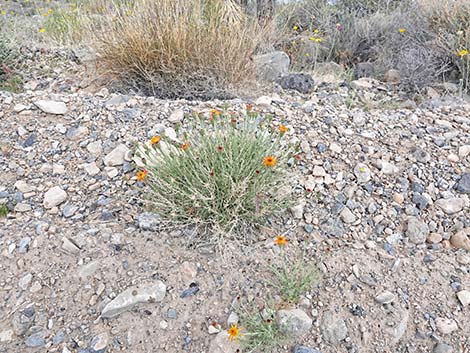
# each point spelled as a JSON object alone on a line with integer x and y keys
{"x": 177, "y": 48}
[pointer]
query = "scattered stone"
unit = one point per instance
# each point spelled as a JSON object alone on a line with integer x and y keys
{"x": 51, "y": 107}
{"x": 99, "y": 343}
{"x": 192, "y": 290}
{"x": 176, "y": 116}
{"x": 464, "y": 297}
{"x": 36, "y": 339}
{"x": 298, "y": 211}
{"x": 145, "y": 293}
{"x": 333, "y": 328}
{"x": 417, "y": 231}
{"x": 347, "y": 216}
{"x": 463, "y": 185}
{"x": 6, "y": 336}
{"x": 385, "y": 297}
{"x": 149, "y": 221}
{"x": 362, "y": 173}
{"x": 392, "y": 76}
{"x": 461, "y": 239}
{"x": 54, "y": 197}
{"x": 451, "y": 205}
{"x": 271, "y": 66}
{"x": 434, "y": 238}
{"x": 117, "y": 156}
{"x": 294, "y": 321}
{"x": 446, "y": 326}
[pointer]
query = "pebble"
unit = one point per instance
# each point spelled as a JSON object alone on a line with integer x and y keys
{"x": 362, "y": 173}
{"x": 446, "y": 326}
{"x": 303, "y": 349}
{"x": 385, "y": 297}
{"x": 149, "y": 221}
{"x": 451, "y": 205}
{"x": 464, "y": 297}
{"x": 117, "y": 156}
{"x": 463, "y": 185}
{"x": 126, "y": 300}
{"x": 54, "y": 197}
{"x": 461, "y": 239}
{"x": 294, "y": 321}
{"x": 417, "y": 231}
{"x": 51, "y": 107}
{"x": 333, "y": 328}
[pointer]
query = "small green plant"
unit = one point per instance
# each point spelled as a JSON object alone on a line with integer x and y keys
{"x": 294, "y": 278}
{"x": 223, "y": 171}
{"x": 262, "y": 333}
{"x": 3, "y": 210}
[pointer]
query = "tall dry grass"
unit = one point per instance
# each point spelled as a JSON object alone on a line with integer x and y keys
{"x": 176, "y": 48}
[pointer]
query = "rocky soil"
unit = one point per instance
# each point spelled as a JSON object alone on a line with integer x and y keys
{"x": 383, "y": 208}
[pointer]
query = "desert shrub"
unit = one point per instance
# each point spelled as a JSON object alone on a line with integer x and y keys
{"x": 10, "y": 62}
{"x": 224, "y": 173}
{"x": 64, "y": 24}
{"x": 177, "y": 48}
{"x": 450, "y": 20}
{"x": 390, "y": 34}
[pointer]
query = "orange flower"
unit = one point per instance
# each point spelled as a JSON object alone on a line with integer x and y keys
{"x": 233, "y": 121}
{"x": 249, "y": 107}
{"x": 269, "y": 161}
{"x": 283, "y": 129}
{"x": 141, "y": 175}
{"x": 216, "y": 112}
{"x": 234, "y": 332}
{"x": 185, "y": 146}
{"x": 154, "y": 140}
{"x": 298, "y": 157}
{"x": 281, "y": 240}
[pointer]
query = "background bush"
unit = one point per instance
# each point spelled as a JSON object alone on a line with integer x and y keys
{"x": 177, "y": 48}
{"x": 419, "y": 39}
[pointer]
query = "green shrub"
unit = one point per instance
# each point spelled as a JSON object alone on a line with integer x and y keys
{"x": 294, "y": 278}
{"x": 261, "y": 332}
{"x": 224, "y": 172}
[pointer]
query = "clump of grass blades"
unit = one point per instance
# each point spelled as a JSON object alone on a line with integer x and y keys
{"x": 177, "y": 48}
{"x": 294, "y": 279}
{"x": 3, "y": 210}
{"x": 262, "y": 332}
{"x": 218, "y": 174}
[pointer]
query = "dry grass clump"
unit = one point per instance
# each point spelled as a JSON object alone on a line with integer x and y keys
{"x": 10, "y": 65}
{"x": 176, "y": 48}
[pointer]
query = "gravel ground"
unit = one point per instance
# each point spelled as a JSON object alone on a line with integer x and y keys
{"x": 383, "y": 208}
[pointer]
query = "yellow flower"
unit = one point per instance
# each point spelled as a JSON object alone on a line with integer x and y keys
{"x": 281, "y": 240}
{"x": 319, "y": 40}
{"x": 401, "y": 30}
{"x": 41, "y": 30}
{"x": 312, "y": 39}
{"x": 141, "y": 175}
{"x": 3, "y": 12}
{"x": 295, "y": 28}
{"x": 462, "y": 53}
{"x": 269, "y": 161}
{"x": 315, "y": 31}
{"x": 154, "y": 140}
{"x": 283, "y": 129}
{"x": 234, "y": 332}
{"x": 307, "y": 55}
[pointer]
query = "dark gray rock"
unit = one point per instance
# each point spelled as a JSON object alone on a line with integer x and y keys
{"x": 443, "y": 348}
{"x": 420, "y": 201}
{"x": 299, "y": 82}
{"x": 463, "y": 185}
{"x": 36, "y": 339}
